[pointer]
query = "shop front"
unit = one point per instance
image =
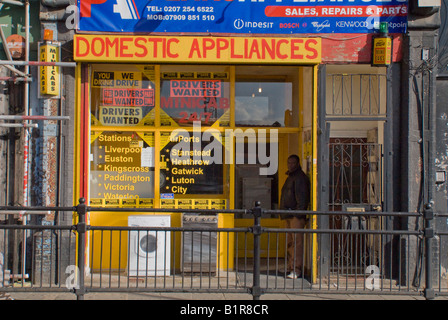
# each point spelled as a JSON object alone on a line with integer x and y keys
{"x": 197, "y": 106}
{"x": 193, "y": 123}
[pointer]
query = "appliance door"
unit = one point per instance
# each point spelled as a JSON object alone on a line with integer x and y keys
{"x": 199, "y": 246}
{"x": 147, "y": 243}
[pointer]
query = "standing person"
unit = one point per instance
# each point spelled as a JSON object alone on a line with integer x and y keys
{"x": 295, "y": 196}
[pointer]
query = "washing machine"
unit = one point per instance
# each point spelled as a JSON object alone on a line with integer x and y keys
{"x": 149, "y": 250}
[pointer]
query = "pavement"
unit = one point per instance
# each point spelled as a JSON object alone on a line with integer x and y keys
{"x": 190, "y": 284}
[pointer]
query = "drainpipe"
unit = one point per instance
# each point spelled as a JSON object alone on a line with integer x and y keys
{"x": 429, "y": 215}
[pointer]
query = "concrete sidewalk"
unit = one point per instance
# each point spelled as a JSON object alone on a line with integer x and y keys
{"x": 233, "y": 280}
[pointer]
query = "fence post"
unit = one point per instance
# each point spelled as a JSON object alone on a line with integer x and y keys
{"x": 256, "y": 230}
{"x": 81, "y": 229}
{"x": 428, "y": 215}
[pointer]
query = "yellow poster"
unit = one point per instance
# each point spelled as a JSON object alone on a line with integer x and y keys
{"x": 49, "y": 75}
{"x": 118, "y": 79}
{"x": 382, "y": 51}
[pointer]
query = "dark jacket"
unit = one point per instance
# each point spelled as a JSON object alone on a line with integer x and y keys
{"x": 295, "y": 193}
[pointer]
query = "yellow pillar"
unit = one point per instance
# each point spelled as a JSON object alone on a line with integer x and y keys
{"x": 314, "y": 174}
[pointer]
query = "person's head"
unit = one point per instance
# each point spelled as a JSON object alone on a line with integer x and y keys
{"x": 293, "y": 163}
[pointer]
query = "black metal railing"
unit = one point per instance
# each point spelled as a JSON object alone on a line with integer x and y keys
{"x": 83, "y": 258}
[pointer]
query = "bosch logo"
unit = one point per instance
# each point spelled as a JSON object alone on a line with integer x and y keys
{"x": 289, "y": 25}
{"x": 238, "y": 24}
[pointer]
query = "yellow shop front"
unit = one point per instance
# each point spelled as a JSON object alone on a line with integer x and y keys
{"x": 191, "y": 123}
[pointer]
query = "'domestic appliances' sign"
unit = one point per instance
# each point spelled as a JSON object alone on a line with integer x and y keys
{"x": 242, "y": 16}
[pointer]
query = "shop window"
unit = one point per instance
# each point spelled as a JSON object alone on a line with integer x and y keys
{"x": 266, "y": 96}
{"x": 191, "y": 94}
{"x": 122, "y": 169}
{"x": 192, "y": 171}
{"x": 152, "y": 138}
{"x": 189, "y": 165}
{"x": 122, "y": 95}
{"x": 122, "y": 158}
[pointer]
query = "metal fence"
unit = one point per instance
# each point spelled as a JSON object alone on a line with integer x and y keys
{"x": 82, "y": 258}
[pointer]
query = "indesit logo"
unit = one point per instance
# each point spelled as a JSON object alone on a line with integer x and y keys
{"x": 238, "y": 23}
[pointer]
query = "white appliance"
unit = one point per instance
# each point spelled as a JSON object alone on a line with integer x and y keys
{"x": 149, "y": 250}
{"x": 199, "y": 249}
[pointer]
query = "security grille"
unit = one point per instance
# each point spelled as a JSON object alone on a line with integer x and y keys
{"x": 355, "y": 185}
{"x": 352, "y": 95}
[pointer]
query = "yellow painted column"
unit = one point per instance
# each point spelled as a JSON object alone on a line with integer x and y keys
{"x": 302, "y": 149}
{"x": 314, "y": 174}
{"x": 232, "y": 126}
{"x": 226, "y": 242}
{"x": 77, "y": 142}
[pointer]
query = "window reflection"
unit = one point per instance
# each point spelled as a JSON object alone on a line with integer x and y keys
{"x": 267, "y": 96}
{"x": 194, "y": 94}
{"x": 262, "y": 103}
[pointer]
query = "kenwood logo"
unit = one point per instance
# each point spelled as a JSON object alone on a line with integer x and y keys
{"x": 352, "y": 24}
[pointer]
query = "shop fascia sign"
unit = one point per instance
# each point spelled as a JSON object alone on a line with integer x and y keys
{"x": 266, "y": 17}
{"x": 108, "y": 48}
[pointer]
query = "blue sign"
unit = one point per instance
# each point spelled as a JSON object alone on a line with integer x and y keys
{"x": 242, "y": 16}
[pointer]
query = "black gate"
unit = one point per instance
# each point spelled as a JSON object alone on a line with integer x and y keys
{"x": 355, "y": 176}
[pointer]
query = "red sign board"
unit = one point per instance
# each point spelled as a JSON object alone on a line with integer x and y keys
{"x": 128, "y": 97}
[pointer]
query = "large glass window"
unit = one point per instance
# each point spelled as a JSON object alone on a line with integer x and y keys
{"x": 159, "y": 133}
{"x": 122, "y": 95}
{"x": 190, "y": 165}
{"x": 280, "y": 99}
{"x": 191, "y": 94}
{"x": 122, "y": 169}
{"x": 266, "y": 96}
{"x": 122, "y": 163}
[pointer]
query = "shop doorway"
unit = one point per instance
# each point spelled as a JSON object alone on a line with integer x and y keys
{"x": 279, "y": 100}
{"x": 353, "y": 166}
{"x": 355, "y": 185}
